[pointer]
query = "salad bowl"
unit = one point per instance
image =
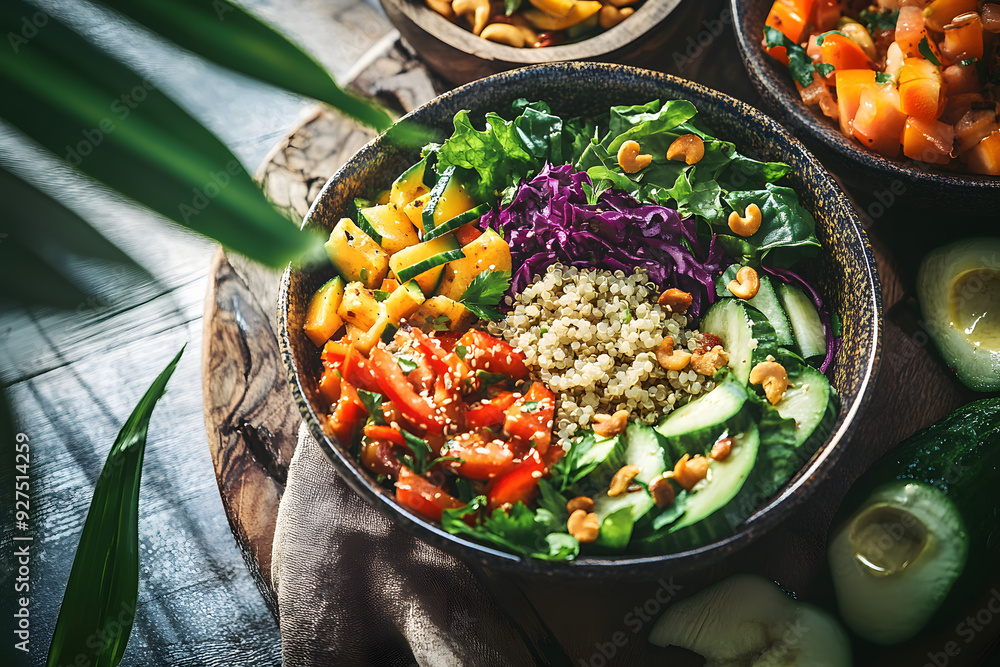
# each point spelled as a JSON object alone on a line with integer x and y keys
{"x": 845, "y": 275}
{"x": 913, "y": 184}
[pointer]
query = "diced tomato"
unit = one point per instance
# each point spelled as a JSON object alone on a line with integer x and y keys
{"x": 413, "y": 407}
{"x": 489, "y": 412}
{"x": 879, "y": 122}
{"x": 520, "y": 484}
{"x": 825, "y": 14}
{"x": 422, "y": 377}
{"x": 348, "y": 415}
{"x": 530, "y": 417}
{"x": 493, "y": 355}
{"x": 334, "y": 352}
{"x": 985, "y": 157}
{"x": 358, "y": 372}
{"x": 920, "y": 88}
{"x": 468, "y": 233}
{"x": 431, "y": 349}
{"x": 849, "y": 85}
{"x": 420, "y": 495}
{"x": 910, "y": 30}
{"x": 329, "y": 385}
{"x": 483, "y": 456}
{"x": 928, "y": 141}
{"x": 449, "y": 401}
{"x": 843, "y": 54}
{"x": 789, "y": 17}
{"x": 383, "y": 432}
{"x": 379, "y": 456}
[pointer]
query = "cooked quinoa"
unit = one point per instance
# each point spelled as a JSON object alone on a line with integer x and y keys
{"x": 591, "y": 336}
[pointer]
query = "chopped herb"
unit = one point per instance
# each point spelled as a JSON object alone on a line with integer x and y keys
{"x": 337, "y": 373}
{"x": 419, "y": 462}
{"x": 968, "y": 61}
{"x": 440, "y": 323}
{"x": 879, "y": 20}
{"x": 882, "y": 78}
{"x": 543, "y": 331}
{"x": 491, "y": 378}
{"x": 530, "y": 406}
{"x": 382, "y": 295}
{"x": 926, "y": 52}
{"x": 627, "y": 317}
{"x": 836, "y": 326}
{"x": 819, "y": 40}
{"x": 373, "y": 404}
{"x": 364, "y": 274}
{"x": 824, "y": 69}
{"x": 799, "y": 63}
{"x": 485, "y": 293}
{"x": 461, "y": 351}
{"x": 407, "y": 365}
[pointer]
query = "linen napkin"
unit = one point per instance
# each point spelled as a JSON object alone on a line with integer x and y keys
{"x": 354, "y": 589}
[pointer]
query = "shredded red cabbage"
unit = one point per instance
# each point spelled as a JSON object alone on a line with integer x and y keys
{"x": 832, "y": 342}
{"x": 550, "y": 221}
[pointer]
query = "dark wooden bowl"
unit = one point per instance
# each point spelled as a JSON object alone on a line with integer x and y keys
{"x": 905, "y": 182}
{"x": 460, "y": 56}
{"x": 845, "y": 274}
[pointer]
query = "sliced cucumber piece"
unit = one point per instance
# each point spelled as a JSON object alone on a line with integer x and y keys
{"x": 456, "y": 222}
{"x": 745, "y": 333}
{"x": 808, "y": 400}
{"x": 694, "y": 428}
{"x": 444, "y": 179}
{"x": 644, "y": 448}
{"x": 425, "y": 262}
{"x": 748, "y": 620}
{"x": 810, "y": 335}
{"x": 409, "y": 185}
{"x": 766, "y": 301}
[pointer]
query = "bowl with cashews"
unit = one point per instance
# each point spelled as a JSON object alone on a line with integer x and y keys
{"x": 464, "y": 40}
{"x": 595, "y": 399}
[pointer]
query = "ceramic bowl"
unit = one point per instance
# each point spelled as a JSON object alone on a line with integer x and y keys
{"x": 845, "y": 273}
{"x": 459, "y": 56}
{"x": 913, "y": 184}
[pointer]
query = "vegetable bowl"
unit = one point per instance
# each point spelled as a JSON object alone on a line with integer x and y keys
{"x": 385, "y": 175}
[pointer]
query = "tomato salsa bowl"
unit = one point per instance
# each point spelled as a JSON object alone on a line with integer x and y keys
{"x": 844, "y": 273}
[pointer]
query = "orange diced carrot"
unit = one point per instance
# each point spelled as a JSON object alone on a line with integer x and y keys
{"x": 843, "y": 54}
{"x": 389, "y": 285}
{"x": 790, "y": 17}
{"x": 849, "y": 85}
{"x": 920, "y": 88}
{"x": 928, "y": 141}
{"x": 467, "y": 233}
{"x": 985, "y": 157}
{"x": 879, "y": 122}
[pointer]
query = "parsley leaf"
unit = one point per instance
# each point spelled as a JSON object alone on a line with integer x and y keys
{"x": 420, "y": 462}
{"x": 485, "y": 292}
{"x": 406, "y": 365}
{"x": 529, "y": 406}
{"x": 799, "y": 63}
{"x": 882, "y": 78}
{"x": 819, "y": 40}
{"x": 461, "y": 351}
{"x": 879, "y": 20}
{"x": 440, "y": 323}
{"x": 824, "y": 69}
{"x": 373, "y": 404}
{"x": 926, "y": 52}
{"x": 491, "y": 378}
{"x": 539, "y": 534}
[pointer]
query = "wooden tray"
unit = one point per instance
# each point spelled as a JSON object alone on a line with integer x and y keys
{"x": 252, "y": 422}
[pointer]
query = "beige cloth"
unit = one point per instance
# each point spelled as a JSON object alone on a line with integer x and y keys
{"x": 353, "y": 589}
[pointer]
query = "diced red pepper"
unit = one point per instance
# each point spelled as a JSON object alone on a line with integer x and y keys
{"x": 483, "y": 457}
{"x": 358, "y": 372}
{"x": 420, "y": 495}
{"x": 379, "y": 456}
{"x": 329, "y": 385}
{"x": 432, "y": 351}
{"x": 348, "y": 415}
{"x": 413, "y": 407}
{"x": 531, "y": 416}
{"x": 489, "y": 412}
{"x": 520, "y": 484}
{"x": 334, "y": 352}
{"x": 382, "y": 432}
{"x": 493, "y": 355}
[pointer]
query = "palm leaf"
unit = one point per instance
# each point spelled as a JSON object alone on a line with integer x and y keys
{"x": 226, "y": 34}
{"x": 107, "y": 121}
{"x": 98, "y": 609}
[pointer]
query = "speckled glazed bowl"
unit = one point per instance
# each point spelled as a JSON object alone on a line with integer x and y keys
{"x": 846, "y": 275}
{"x": 913, "y": 184}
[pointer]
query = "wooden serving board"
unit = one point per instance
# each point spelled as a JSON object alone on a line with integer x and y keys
{"x": 252, "y": 421}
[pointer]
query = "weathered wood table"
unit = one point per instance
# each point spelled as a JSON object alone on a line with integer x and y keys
{"x": 252, "y": 422}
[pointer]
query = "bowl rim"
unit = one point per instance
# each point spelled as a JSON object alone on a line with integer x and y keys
{"x": 803, "y": 484}
{"x": 652, "y": 12}
{"x": 777, "y": 89}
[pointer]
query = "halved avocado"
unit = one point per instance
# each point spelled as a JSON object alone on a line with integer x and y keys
{"x": 958, "y": 287}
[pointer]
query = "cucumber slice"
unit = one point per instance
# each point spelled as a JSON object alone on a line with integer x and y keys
{"x": 748, "y": 620}
{"x": 456, "y": 222}
{"x": 364, "y": 223}
{"x": 808, "y": 400}
{"x": 693, "y": 428}
{"x": 425, "y": 262}
{"x": 644, "y": 448}
{"x": 409, "y": 185}
{"x": 444, "y": 179}
{"x": 745, "y": 333}
{"x": 810, "y": 335}
{"x": 766, "y": 301}
{"x": 916, "y": 535}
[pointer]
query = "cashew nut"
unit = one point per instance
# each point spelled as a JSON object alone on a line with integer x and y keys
{"x": 663, "y": 492}
{"x": 503, "y": 33}
{"x": 675, "y": 300}
{"x": 610, "y": 16}
{"x": 583, "y": 525}
{"x": 772, "y": 376}
{"x": 746, "y": 284}
{"x": 608, "y": 426}
{"x": 557, "y": 8}
{"x": 689, "y": 471}
{"x": 669, "y": 358}
{"x": 580, "y": 503}
{"x": 442, "y": 7}
{"x": 530, "y": 36}
{"x": 479, "y": 9}
{"x": 721, "y": 449}
{"x": 629, "y": 158}
{"x": 748, "y": 224}
{"x": 707, "y": 363}
{"x": 621, "y": 480}
{"x": 689, "y": 148}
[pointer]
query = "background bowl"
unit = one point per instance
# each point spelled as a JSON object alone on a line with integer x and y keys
{"x": 845, "y": 274}
{"x": 914, "y": 184}
{"x": 459, "y": 56}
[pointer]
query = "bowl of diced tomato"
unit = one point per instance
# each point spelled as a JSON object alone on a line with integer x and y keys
{"x": 892, "y": 98}
{"x": 457, "y": 431}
